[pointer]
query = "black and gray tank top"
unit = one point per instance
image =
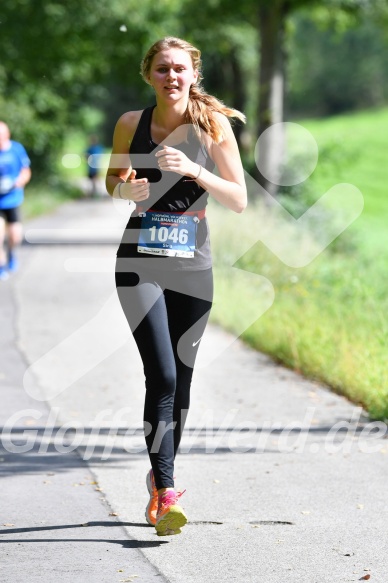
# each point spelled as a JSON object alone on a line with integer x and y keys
{"x": 169, "y": 192}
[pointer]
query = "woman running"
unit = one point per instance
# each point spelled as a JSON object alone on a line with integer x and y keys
{"x": 162, "y": 160}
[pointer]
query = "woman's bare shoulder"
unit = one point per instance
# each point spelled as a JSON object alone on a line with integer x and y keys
{"x": 129, "y": 121}
{"x": 223, "y": 120}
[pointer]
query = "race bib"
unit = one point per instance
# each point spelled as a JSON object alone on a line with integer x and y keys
{"x": 6, "y": 184}
{"x": 169, "y": 234}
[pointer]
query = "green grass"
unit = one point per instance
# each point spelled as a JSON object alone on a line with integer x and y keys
{"x": 362, "y": 143}
{"x": 329, "y": 320}
{"x": 46, "y": 197}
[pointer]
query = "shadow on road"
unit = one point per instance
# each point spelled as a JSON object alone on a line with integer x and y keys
{"x": 46, "y": 449}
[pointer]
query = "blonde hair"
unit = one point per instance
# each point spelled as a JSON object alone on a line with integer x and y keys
{"x": 201, "y": 105}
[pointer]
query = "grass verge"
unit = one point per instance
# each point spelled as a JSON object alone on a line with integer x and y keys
{"x": 46, "y": 197}
{"x": 328, "y": 320}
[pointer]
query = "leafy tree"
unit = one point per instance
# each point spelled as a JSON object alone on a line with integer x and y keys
{"x": 272, "y": 19}
{"x": 320, "y": 83}
{"x": 59, "y": 60}
{"x": 56, "y": 59}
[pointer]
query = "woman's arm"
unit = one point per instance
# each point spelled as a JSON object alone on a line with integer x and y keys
{"x": 120, "y": 178}
{"x": 23, "y": 178}
{"x": 229, "y": 187}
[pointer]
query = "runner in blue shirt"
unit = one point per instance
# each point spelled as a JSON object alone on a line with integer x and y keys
{"x": 93, "y": 153}
{"x": 15, "y": 173}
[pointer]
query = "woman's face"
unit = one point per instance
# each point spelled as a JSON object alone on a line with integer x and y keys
{"x": 172, "y": 74}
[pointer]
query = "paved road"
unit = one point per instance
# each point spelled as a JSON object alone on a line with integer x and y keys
{"x": 284, "y": 483}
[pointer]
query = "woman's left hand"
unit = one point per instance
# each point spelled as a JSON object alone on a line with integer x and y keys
{"x": 172, "y": 160}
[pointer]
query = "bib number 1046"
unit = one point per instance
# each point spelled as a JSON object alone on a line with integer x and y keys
{"x": 168, "y": 234}
{"x": 175, "y": 235}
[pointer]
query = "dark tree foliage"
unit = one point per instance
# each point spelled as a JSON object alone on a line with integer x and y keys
{"x": 58, "y": 60}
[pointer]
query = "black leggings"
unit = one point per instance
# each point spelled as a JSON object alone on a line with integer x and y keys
{"x": 167, "y": 312}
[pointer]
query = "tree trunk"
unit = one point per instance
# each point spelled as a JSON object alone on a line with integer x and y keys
{"x": 270, "y": 150}
{"x": 239, "y": 93}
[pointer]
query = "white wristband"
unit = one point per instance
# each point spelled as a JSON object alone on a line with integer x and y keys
{"x": 120, "y": 183}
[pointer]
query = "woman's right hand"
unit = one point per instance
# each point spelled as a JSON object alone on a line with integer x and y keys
{"x": 136, "y": 190}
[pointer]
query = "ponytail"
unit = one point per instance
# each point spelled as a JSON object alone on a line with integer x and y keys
{"x": 201, "y": 106}
{"x": 201, "y": 109}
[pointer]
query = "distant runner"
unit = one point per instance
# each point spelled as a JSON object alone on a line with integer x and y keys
{"x": 15, "y": 173}
{"x": 92, "y": 156}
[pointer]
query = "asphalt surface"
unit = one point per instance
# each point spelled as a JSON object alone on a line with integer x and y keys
{"x": 285, "y": 481}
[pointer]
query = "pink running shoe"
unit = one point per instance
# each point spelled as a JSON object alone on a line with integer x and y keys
{"x": 170, "y": 516}
{"x": 152, "y": 506}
